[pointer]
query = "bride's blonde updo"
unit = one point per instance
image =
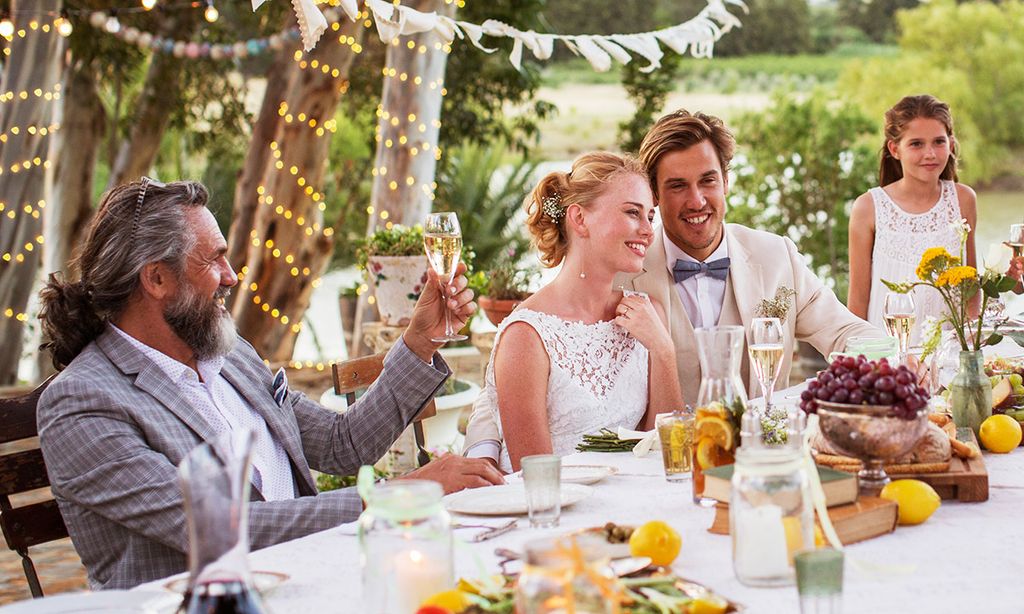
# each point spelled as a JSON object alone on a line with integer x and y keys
{"x": 545, "y": 207}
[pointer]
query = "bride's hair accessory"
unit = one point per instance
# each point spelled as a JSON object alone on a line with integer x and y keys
{"x": 552, "y": 206}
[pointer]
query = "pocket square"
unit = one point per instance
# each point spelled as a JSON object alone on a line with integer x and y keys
{"x": 280, "y": 386}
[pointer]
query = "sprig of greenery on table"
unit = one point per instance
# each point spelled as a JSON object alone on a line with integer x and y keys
{"x": 649, "y": 595}
{"x": 605, "y": 441}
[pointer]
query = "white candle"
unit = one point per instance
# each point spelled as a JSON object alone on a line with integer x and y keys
{"x": 417, "y": 577}
{"x": 761, "y": 542}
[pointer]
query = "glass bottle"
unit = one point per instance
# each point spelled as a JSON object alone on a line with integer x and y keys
{"x": 567, "y": 574}
{"x": 771, "y": 516}
{"x": 215, "y": 485}
{"x": 720, "y": 398}
{"x": 405, "y": 541}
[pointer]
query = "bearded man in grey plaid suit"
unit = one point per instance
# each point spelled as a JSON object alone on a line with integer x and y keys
{"x": 151, "y": 366}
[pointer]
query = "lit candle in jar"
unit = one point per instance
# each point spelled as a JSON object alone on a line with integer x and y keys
{"x": 417, "y": 577}
{"x": 761, "y": 549}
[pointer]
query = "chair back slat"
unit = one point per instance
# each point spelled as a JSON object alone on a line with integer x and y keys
{"x": 22, "y": 471}
{"x": 31, "y": 525}
{"x": 351, "y": 375}
{"x": 18, "y": 415}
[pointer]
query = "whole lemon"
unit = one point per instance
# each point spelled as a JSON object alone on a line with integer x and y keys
{"x": 1000, "y": 433}
{"x": 916, "y": 500}
{"x": 656, "y": 540}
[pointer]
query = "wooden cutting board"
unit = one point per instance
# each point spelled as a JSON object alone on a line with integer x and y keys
{"x": 967, "y": 478}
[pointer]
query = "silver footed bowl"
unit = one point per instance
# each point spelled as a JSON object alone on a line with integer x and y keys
{"x": 871, "y": 434}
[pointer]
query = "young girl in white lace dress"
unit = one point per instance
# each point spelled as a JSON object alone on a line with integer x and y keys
{"x": 918, "y": 205}
{"x": 578, "y": 356}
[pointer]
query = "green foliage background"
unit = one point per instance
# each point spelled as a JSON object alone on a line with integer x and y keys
{"x": 804, "y": 161}
{"x": 967, "y": 55}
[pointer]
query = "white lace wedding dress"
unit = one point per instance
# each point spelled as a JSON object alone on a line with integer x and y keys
{"x": 900, "y": 240}
{"x": 598, "y": 379}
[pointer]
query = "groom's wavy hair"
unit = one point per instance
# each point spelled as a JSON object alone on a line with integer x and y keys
{"x": 902, "y": 113}
{"x": 590, "y": 176}
{"x": 682, "y": 130}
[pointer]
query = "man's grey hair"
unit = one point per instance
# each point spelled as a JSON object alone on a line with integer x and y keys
{"x": 138, "y": 223}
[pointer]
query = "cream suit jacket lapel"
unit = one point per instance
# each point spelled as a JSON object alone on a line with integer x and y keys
{"x": 659, "y": 284}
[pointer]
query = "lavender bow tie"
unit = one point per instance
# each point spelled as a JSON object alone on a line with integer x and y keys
{"x": 685, "y": 269}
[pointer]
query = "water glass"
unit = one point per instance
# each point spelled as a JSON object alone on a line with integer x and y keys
{"x": 542, "y": 476}
{"x": 819, "y": 580}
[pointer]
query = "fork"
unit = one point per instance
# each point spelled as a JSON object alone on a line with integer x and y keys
{"x": 492, "y": 531}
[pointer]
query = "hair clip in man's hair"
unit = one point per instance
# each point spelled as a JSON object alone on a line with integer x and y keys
{"x": 552, "y": 207}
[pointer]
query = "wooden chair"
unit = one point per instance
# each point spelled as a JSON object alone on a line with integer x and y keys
{"x": 352, "y": 375}
{"x": 22, "y": 471}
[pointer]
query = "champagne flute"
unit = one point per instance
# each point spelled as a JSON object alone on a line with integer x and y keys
{"x": 1016, "y": 239}
{"x": 767, "y": 346}
{"x": 899, "y": 316}
{"x": 442, "y": 240}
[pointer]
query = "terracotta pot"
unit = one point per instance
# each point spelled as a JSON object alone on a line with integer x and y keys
{"x": 497, "y": 310}
{"x": 397, "y": 282}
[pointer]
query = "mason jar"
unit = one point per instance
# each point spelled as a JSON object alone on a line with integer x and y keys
{"x": 405, "y": 541}
{"x": 770, "y": 514}
{"x": 566, "y": 574}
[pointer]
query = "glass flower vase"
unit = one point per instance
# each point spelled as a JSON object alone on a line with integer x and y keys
{"x": 970, "y": 392}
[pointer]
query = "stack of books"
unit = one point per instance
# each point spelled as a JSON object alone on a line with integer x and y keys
{"x": 855, "y": 518}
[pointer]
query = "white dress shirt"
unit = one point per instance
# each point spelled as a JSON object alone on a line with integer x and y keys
{"x": 217, "y": 400}
{"x": 702, "y": 295}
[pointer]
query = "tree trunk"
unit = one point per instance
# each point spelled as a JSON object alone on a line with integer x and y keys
{"x": 160, "y": 96}
{"x": 77, "y": 144}
{"x": 288, "y": 246}
{"x": 407, "y": 151}
{"x": 33, "y": 69}
{"x": 246, "y": 199}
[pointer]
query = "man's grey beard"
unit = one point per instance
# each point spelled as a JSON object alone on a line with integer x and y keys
{"x": 201, "y": 323}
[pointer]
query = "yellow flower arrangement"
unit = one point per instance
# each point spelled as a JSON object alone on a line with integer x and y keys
{"x": 958, "y": 284}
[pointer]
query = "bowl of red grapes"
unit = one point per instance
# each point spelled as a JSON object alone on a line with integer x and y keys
{"x": 872, "y": 383}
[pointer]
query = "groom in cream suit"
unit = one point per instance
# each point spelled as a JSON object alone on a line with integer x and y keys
{"x": 705, "y": 272}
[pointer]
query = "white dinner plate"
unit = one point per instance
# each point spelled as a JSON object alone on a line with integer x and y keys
{"x": 505, "y": 499}
{"x": 586, "y": 474}
{"x": 109, "y": 602}
{"x": 265, "y": 582}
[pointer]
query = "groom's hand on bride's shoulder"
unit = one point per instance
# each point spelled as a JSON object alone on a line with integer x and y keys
{"x": 643, "y": 320}
{"x": 456, "y": 473}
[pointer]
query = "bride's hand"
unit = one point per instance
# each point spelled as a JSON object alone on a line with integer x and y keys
{"x": 637, "y": 315}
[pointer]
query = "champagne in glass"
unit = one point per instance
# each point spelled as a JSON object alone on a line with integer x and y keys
{"x": 899, "y": 315}
{"x": 1016, "y": 239}
{"x": 767, "y": 346}
{"x": 442, "y": 241}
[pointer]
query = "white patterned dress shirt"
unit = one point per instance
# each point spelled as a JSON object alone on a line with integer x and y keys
{"x": 225, "y": 409}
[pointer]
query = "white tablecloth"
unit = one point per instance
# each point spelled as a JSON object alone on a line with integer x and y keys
{"x": 967, "y": 555}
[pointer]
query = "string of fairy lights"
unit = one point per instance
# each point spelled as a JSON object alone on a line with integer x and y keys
{"x": 410, "y": 127}
{"x": 38, "y": 24}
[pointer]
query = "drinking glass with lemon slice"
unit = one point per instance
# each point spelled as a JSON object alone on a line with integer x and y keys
{"x": 675, "y": 430}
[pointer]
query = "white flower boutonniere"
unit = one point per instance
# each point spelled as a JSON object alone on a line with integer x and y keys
{"x": 777, "y": 307}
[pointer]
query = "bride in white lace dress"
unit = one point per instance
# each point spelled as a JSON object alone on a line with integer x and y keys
{"x": 578, "y": 356}
{"x": 918, "y": 205}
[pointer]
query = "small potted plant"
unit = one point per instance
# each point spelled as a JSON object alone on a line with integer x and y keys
{"x": 503, "y": 286}
{"x": 395, "y": 265}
